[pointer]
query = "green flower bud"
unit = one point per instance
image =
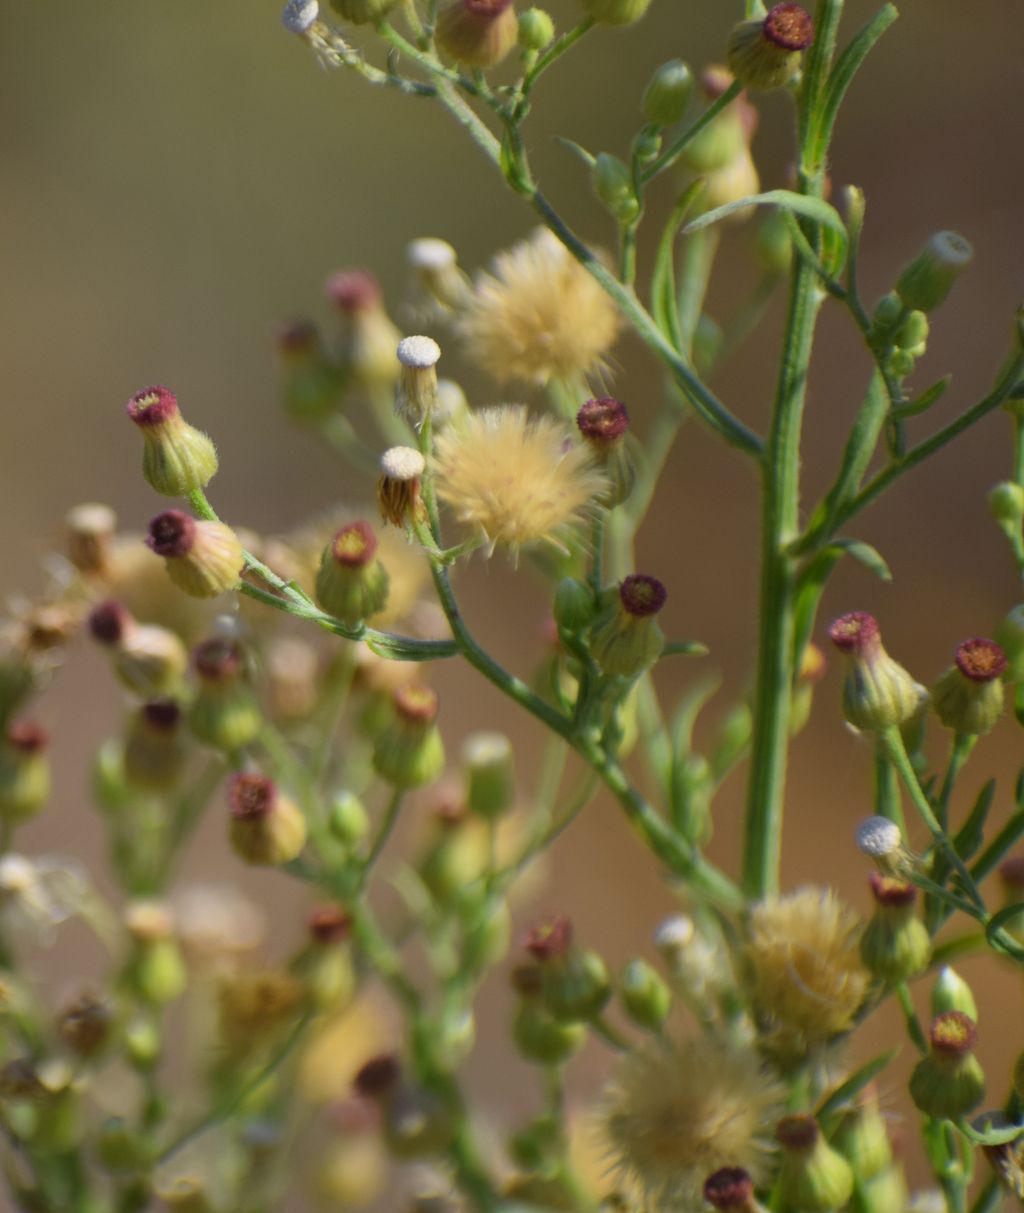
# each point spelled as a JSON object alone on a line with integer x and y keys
{"x": 348, "y": 819}
{"x": 351, "y": 583}
{"x": 1006, "y": 503}
{"x": 646, "y": 998}
{"x": 490, "y": 774}
{"x": 952, "y": 993}
{"x": 885, "y": 1192}
{"x": 574, "y": 981}
{"x": 176, "y": 459}
{"x": 728, "y": 135}
{"x": 225, "y": 712}
{"x": 143, "y": 1044}
{"x": 325, "y": 966}
{"x": 536, "y": 29}
{"x": 310, "y": 386}
{"x": 604, "y": 426}
{"x": 863, "y": 1138}
{"x": 929, "y": 278}
{"x": 625, "y": 638}
{"x": 155, "y": 751}
{"x": 150, "y": 661}
{"x": 110, "y": 788}
{"x": 369, "y": 338}
{"x": 613, "y": 185}
{"x": 409, "y": 752}
{"x": 895, "y": 945}
{"x": 949, "y": 1082}
{"x": 647, "y": 145}
{"x": 24, "y": 771}
{"x": 888, "y": 315}
{"x": 812, "y": 1177}
{"x": 668, "y": 93}
{"x": 912, "y": 334}
{"x": 267, "y": 828}
{"x": 362, "y": 12}
{"x": 156, "y": 969}
{"x": 616, "y": 12}
{"x": 202, "y": 558}
{"x": 486, "y": 937}
{"x": 877, "y": 692}
{"x": 765, "y": 53}
{"x": 968, "y": 698}
{"x": 574, "y": 605}
{"x": 477, "y": 33}
{"x": 456, "y": 857}
{"x": 538, "y": 1035}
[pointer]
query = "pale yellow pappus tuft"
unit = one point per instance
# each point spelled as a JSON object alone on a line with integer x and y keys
{"x": 538, "y": 316}
{"x": 516, "y": 478}
{"x": 677, "y": 1111}
{"x": 807, "y": 977}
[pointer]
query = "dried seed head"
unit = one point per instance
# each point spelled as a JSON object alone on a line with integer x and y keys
{"x": 91, "y": 529}
{"x": 398, "y": 489}
{"x": 418, "y": 353}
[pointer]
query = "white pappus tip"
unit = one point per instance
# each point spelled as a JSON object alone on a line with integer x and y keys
{"x": 878, "y": 837}
{"x": 299, "y": 15}
{"x": 402, "y": 463}
{"x": 418, "y": 353}
{"x": 431, "y": 253}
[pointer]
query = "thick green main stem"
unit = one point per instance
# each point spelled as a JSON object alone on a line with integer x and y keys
{"x": 780, "y": 468}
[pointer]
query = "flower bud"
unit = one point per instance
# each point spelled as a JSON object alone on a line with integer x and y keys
{"x": 626, "y": 639}
{"x": 929, "y": 278}
{"x": 416, "y": 395}
{"x": 202, "y": 558}
{"x": 177, "y": 459}
{"x": 731, "y": 1190}
{"x": 912, "y": 335}
{"x": 477, "y": 33}
{"x": 616, "y": 12}
{"x": 225, "y": 712}
{"x": 142, "y": 1044}
{"x": 949, "y": 1082}
{"x": 436, "y": 266}
{"x": 267, "y": 828}
{"x": 885, "y": 1192}
{"x": 574, "y": 605}
{"x": 311, "y": 386}
{"x": 455, "y": 857}
{"x": 574, "y": 981}
{"x": 361, "y": 12}
{"x": 348, "y": 820}
{"x": 490, "y": 774}
{"x": 604, "y": 426}
{"x": 352, "y": 583}
{"x": 156, "y": 969}
{"x": 538, "y": 1035}
{"x": 398, "y": 489}
{"x": 149, "y": 660}
{"x": 644, "y": 995}
{"x": 813, "y": 1177}
{"x": 667, "y": 95}
{"x": 369, "y": 338}
{"x": 765, "y": 53}
{"x": 968, "y": 698}
{"x": 877, "y": 692}
{"x": 91, "y": 530}
{"x": 952, "y": 993}
{"x": 728, "y": 135}
{"x": 895, "y": 945}
{"x": 536, "y": 29}
{"x": 863, "y": 1137}
{"x": 155, "y": 753}
{"x": 410, "y": 753}
{"x": 613, "y": 186}
{"x": 24, "y": 772}
{"x": 732, "y": 182}
{"x": 325, "y": 966}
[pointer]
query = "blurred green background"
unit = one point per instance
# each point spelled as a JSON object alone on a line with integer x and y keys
{"x": 177, "y": 177}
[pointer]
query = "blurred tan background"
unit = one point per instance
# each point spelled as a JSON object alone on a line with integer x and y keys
{"x": 175, "y": 178}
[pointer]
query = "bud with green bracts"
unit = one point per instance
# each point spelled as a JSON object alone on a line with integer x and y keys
{"x": 490, "y": 774}
{"x": 968, "y": 698}
{"x": 812, "y": 1176}
{"x": 929, "y": 278}
{"x": 645, "y": 996}
{"x": 409, "y": 753}
{"x": 351, "y": 583}
{"x": 267, "y": 828}
{"x": 668, "y": 93}
{"x": 25, "y": 780}
{"x": 613, "y": 185}
{"x": 877, "y": 691}
{"x": 626, "y": 639}
{"x": 895, "y": 945}
{"x": 949, "y": 1082}
{"x": 952, "y": 993}
{"x": 225, "y": 713}
{"x": 177, "y": 459}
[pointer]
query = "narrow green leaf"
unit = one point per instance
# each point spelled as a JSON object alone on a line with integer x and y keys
{"x": 991, "y": 1129}
{"x": 1003, "y": 943}
{"x": 856, "y": 1083}
{"x": 685, "y": 648}
{"x": 398, "y": 648}
{"x": 867, "y": 555}
{"x": 588, "y": 158}
{"x": 972, "y": 833}
{"x": 800, "y": 204}
{"x": 994, "y": 853}
{"x": 846, "y": 67}
{"x": 664, "y": 304}
{"x": 925, "y": 401}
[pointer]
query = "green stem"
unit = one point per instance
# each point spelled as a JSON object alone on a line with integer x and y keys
{"x": 678, "y": 146}
{"x": 914, "y": 1029}
{"x": 387, "y": 825}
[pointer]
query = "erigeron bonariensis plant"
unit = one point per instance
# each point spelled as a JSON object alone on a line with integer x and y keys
{"x": 308, "y": 722}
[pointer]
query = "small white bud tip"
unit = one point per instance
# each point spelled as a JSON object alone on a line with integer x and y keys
{"x": 480, "y": 749}
{"x": 299, "y": 15}
{"x": 430, "y": 253}
{"x": 878, "y": 837}
{"x": 402, "y": 463}
{"x": 16, "y": 873}
{"x": 674, "y": 933}
{"x": 418, "y": 353}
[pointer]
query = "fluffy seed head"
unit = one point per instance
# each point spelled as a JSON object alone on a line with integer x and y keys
{"x": 538, "y": 316}
{"x": 675, "y": 1112}
{"x": 808, "y": 978}
{"x": 431, "y": 254}
{"x": 980, "y": 660}
{"x": 878, "y": 837}
{"x": 517, "y": 479}
{"x": 418, "y": 353}
{"x": 299, "y": 15}
{"x": 402, "y": 463}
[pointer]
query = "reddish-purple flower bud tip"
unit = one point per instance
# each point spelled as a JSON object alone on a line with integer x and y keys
{"x": 172, "y": 533}
{"x": 330, "y": 924}
{"x": 297, "y": 337}
{"x": 729, "y": 1188}
{"x": 953, "y": 1034}
{"x": 855, "y": 634}
{"x": 888, "y": 891}
{"x": 251, "y": 797}
{"x": 789, "y": 26}
{"x": 162, "y": 715}
{"x": 355, "y": 545}
{"x": 980, "y": 660}
{"x": 798, "y": 1133}
{"x": 486, "y": 8}
{"x": 416, "y": 705}
{"x": 377, "y": 1076}
{"x": 642, "y": 595}
{"x": 603, "y": 420}
{"x": 1011, "y": 873}
{"x": 27, "y": 737}
{"x": 550, "y": 938}
{"x": 153, "y": 406}
{"x": 109, "y": 621}
{"x": 218, "y": 660}
{"x": 353, "y": 290}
